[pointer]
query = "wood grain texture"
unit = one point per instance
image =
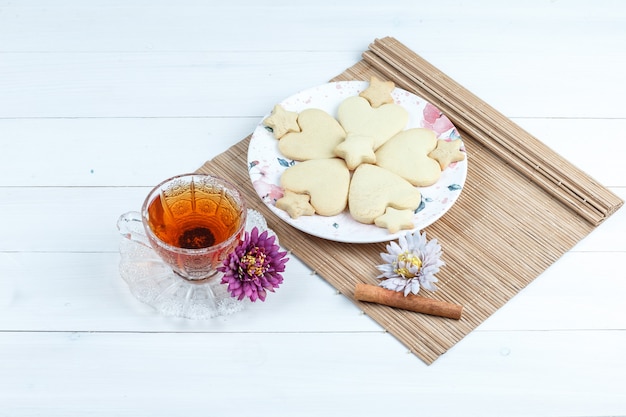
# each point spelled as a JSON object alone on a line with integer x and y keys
{"x": 88, "y": 89}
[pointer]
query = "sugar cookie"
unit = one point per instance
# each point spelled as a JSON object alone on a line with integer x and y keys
{"x": 326, "y": 180}
{"x": 378, "y": 92}
{"x": 406, "y": 154}
{"x": 282, "y": 121}
{"x": 356, "y": 150}
{"x": 395, "y": 220}
{"x": 357, "y": 116}
{"x": 373, "y": 189}
{"x": 320, "y": 134}
{"x": 447, "y": 152}
{"x": 295, "y": 205}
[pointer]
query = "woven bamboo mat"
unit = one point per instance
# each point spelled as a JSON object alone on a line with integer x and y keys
{"x": 522, "y": 207}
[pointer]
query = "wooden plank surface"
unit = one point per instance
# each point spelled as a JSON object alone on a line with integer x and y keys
{"x": 87, "y": 90}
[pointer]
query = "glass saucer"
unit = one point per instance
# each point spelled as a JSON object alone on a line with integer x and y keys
{"x": 153, "y": 282}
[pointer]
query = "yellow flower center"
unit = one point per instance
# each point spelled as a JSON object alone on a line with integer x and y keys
{"x": 254, "y": 263}
{"x": 404, "y": 261}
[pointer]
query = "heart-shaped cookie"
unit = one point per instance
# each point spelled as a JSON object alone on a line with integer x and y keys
{"x": 406, "y": 154}
{"x": 357, "y": 116}
{"x": 373, "y": 189}
{"x": 320, "y": 134}
{"x": 326, "y": 181}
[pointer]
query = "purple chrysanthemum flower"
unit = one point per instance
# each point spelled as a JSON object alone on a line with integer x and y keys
{"x": 254, "y": 267}
{"x": 411, "y": 263}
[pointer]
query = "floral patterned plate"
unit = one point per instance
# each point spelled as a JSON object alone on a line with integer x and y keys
{"x": 266, "y": 164}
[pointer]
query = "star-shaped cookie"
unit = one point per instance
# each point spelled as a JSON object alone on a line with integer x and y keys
{"x": 356, "y": 150}
{"x": 282, "y": 121}
{"x": 295, "y": 204}
{"x": 378, "y": 92}
{"x": 395, "y": 220}
{"x": 447, "y": 152}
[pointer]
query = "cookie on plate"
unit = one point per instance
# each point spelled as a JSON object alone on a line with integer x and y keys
{"x": 447, "y": 152}
{"x": 373, "y": 189}
{"x": 406, "y": 154}
{"x": 326, "y": 181}
{"x": 282, "y": 121}
{"x": 320, "y": 134}
{"x": 295, "y": 205}
{"x": 357, "y": 116}
{"x": 395, "y": 220}
{"x": 378, "y": 92}
{"x": 356, "y": 150}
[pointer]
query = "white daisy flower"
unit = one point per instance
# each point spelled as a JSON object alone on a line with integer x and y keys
{"x": 410, "y": 264}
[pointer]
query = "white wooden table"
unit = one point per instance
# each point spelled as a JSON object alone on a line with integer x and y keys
{"x": 100, "y": 100}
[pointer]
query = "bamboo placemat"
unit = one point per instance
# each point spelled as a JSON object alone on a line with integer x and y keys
{"x": 522, "y": 207}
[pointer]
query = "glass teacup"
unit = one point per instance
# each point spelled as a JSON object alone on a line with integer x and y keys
{"x": 192, "y": 221}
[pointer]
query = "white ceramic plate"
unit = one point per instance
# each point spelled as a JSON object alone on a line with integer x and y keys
{"x": 266, "y": 164}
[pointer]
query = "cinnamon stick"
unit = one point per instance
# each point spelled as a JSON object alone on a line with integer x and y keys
{"x": 417, "y": 303}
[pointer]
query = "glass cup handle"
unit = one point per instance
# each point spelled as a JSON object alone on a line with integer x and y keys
{"x": 130, "y": 226}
